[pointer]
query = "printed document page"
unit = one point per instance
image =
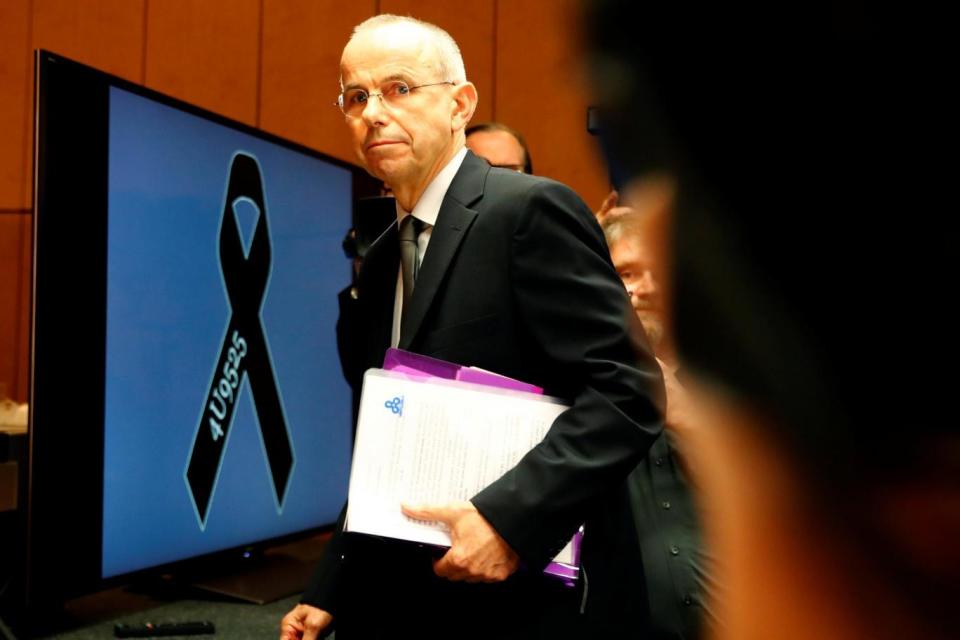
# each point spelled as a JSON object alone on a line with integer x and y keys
{"x": 433, "y": 441}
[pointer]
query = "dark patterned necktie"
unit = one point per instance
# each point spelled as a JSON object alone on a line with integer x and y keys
{"x": 410, "y": 229}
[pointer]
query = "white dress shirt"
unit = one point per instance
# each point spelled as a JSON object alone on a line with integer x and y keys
{"x": 426, "y": 210}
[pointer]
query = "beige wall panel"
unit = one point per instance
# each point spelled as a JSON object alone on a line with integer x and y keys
{"x": 539, "y": 92}
{"x": 206, "y": 52}
{"x": 302, "y": 41}
{"x": 16, "y": 103}
{"x": 12, "y": 283}
{"x": 106, "y": 34}
{"x": 22, "y": 381}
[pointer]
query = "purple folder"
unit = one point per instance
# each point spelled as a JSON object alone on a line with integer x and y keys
{"x": 420, "y": 366}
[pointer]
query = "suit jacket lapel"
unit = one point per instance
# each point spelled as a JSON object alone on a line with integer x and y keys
{"x": 453, "y": 223}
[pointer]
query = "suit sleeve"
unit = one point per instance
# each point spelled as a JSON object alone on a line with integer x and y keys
{"x": 323, "y": 588}
{"x": 575, "y": 310}
{"x": 348, "y": 322}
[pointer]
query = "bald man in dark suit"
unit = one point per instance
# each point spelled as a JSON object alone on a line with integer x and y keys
{"x": 512, "y": 275}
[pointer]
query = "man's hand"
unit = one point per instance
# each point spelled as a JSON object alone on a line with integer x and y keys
{"x": 477, "y": 552}
{"x": 304, "y": 623}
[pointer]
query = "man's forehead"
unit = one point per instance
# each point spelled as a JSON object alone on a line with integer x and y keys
{"x": 388, "y": 51}
{"x": 632, "y": 248}
{"x": 499, "y": 138}
{"x": 499, "y": 147}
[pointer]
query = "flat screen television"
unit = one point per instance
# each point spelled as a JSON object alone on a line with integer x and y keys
{"x": 186, "y": 394}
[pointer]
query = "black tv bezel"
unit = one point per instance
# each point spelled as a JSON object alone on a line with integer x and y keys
{"x": 64, "y": 531}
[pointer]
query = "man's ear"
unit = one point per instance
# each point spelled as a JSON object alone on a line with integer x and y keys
{"x": 464, "y": 104}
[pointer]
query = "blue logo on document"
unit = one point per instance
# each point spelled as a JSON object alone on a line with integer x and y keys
{"x": 395, "y": 405}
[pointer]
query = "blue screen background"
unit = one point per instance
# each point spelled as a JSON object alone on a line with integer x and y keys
{"x": 167, "y": 314}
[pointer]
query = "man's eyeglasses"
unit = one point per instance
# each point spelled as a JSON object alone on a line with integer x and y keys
{"x": 392, "y": 94}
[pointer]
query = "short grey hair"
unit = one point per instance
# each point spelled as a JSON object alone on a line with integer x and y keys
{"x": 625, "y": 225}
{"x": 448, "y": 53}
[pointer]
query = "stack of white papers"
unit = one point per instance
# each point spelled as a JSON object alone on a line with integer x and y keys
{"x": 429, "y": 441}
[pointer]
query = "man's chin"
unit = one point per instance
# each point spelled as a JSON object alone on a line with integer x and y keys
{"x": 653, "y": 326}
{"x": 384, "y": 168}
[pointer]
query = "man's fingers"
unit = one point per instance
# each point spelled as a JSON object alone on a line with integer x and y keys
{"x": 477, "y": 553}
{"x": 427, "y": 512}
{"x": 454, "y": 566}
{"x": 443, "y": 568}
{"x": 289, "y": 632}
{"x": 451, "y": 567}
{"x": 304, "y": 622}
{"x": 316, "y": 622}
{"x": 291, "y": 627}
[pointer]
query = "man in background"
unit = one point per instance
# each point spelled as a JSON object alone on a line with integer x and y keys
{"x": 634, "y": 261}
{"x": 500, "y": 145}
{"x": 664, "y": 479}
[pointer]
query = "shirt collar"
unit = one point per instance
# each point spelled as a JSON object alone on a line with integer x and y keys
{"x": 428, "y": 207}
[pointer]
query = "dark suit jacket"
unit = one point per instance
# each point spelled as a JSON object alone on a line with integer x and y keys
{"x": 517, "y": 279}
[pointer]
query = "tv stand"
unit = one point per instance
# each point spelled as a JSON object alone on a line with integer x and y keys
{"x": 261, "y": 577}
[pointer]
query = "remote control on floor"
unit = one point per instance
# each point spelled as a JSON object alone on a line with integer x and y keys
{"x": 155, "y": 629}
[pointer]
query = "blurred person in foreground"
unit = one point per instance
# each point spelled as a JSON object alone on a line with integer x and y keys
{"x": 806, "y": 260}
{"x": 500, "y": 145}
{"x": 507, "y": 272}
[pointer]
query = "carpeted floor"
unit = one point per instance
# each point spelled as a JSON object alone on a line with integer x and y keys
{"x": 277, "y": 579}
{"x": 233, "y": 620}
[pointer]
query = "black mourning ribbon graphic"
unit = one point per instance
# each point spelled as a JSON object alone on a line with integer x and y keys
{"x": 244, "y": 349}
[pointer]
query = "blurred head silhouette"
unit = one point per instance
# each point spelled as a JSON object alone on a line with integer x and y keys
{"x": 804, "y": 248}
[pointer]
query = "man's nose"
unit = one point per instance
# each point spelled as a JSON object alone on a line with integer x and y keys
{"x": 374, "y": 111}
{"x": 645, "y": 285}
